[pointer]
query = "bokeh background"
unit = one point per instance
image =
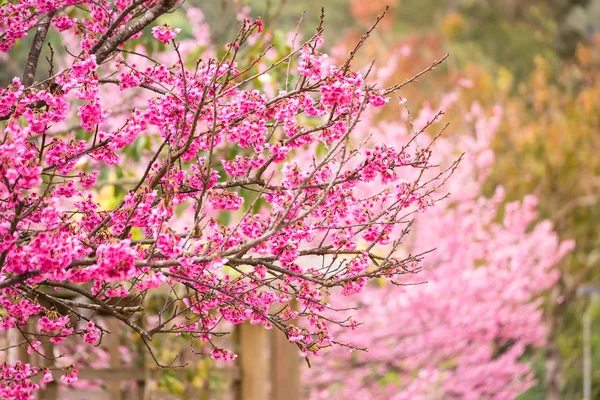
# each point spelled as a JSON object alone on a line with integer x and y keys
{"x": 539, "y": 60}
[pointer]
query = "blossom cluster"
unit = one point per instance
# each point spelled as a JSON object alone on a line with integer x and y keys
{"x": 222, "y": 216}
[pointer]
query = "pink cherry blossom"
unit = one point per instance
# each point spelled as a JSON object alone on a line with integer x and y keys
{"x": 47, "y": 378}
{"x": 71, "y": 376}
{"x": 165, "y": 33}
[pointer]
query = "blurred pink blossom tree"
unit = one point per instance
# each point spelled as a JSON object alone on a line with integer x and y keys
{"x": 462, "y": 331}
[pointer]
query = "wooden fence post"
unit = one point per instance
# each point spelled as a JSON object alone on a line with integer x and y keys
{"x": 114, "y": 325}
{"x": 285, "y": 366}
{"x": 252, "y": 361}
{"x": 51, "y": 390}
{"x": 18, "y": 353}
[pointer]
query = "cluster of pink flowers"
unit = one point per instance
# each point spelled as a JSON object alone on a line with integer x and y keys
{"x": 71, "y": 376}
{"x": 16, "y": 382}
{"x": 116, "y": 262}
{"x": 237, "y": 167}
{"x": 223, "y": 200}
{"x": 48, "y": 325}
{"x": 93, "y": 333}
{"x": 217, "y": 208}
{"x": 165, "y": 33}
{"x": 63, "y": 23}
{"x": 310, "y": 64}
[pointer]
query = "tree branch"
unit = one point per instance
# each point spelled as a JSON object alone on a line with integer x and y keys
{"x": 132, "y": 28}
{"x": 36, "y": 49}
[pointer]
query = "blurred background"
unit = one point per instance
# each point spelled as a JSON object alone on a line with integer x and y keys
{"x": 539, "y": 60}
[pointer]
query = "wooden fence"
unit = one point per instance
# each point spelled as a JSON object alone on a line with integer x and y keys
{"x": 268, "y": 367}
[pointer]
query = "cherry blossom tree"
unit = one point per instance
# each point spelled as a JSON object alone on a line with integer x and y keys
{"x": 218, "y": 220}
{"x": 462, "y": 329}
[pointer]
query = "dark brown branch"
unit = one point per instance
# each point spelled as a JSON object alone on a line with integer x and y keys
{"x": 132, "y": 28}
{"x": 142, "y": 85}
{"x": 10, "y": 282}
{"x": 36, "y": 49}
{"x": 416, "y": 76}
{"x": 115, "y": 25}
